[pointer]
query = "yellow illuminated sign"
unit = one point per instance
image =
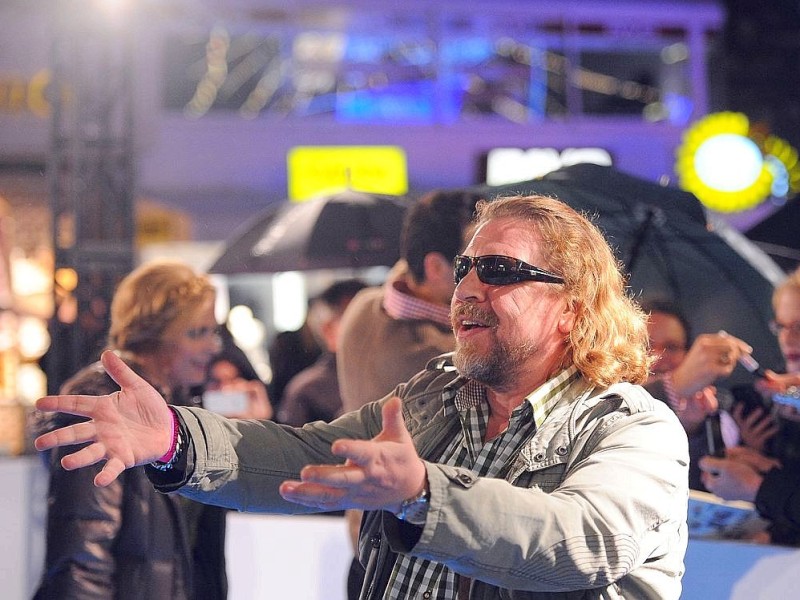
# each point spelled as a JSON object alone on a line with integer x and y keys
{"x": 18, "y": 95}
{"x": 731, "y": 166}
{"x": 316, "y": 170}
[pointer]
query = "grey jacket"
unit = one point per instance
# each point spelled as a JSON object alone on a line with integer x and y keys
{"x": 605, "y": 516}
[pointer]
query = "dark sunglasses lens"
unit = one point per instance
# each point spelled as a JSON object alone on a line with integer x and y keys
{"x": 461, "y": 266}
{"x": 497, "y": 270}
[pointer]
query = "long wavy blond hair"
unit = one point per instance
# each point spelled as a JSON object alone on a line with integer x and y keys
{"x": 151, "y": 301}
{"x": 792, "y": 282}
{"x": 608, "y": 342}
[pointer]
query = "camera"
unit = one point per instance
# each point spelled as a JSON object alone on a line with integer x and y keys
{"x": 225, "y": 402}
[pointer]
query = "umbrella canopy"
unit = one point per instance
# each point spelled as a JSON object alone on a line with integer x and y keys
{"x": 779, "y": 235}
{"x": 343, "y": 230}
{"x": 670, "y": 252}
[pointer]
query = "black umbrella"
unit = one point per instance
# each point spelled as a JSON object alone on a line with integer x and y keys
{"x": 779, "y": 235}
{"x": 343, "y": 230}
{"x": 671, "y": 252}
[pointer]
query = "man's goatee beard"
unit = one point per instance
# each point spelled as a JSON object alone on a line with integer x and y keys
{"x": 498, "y": 369}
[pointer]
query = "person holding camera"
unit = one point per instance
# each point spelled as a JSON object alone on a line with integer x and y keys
{"x": 233, "y": 387}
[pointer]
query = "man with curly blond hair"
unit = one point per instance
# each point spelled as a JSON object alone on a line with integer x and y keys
{"x": 530, "y": 464}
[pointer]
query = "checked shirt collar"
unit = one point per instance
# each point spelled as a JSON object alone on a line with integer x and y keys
{"x": 401, "y": 305}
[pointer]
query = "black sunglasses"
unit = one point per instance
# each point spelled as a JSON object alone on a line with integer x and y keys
{"x": 494, "y": 269}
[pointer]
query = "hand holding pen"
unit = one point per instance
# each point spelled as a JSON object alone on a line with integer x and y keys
{"x": 784, "y": 385}
{"x": 712, "y": 356}
{"x": 745, "y": 357}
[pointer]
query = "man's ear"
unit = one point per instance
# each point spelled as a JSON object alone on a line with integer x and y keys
{"x": 566, "y": 321}
{"x": 330, "y": 334}
{"x": 437, "y": 267}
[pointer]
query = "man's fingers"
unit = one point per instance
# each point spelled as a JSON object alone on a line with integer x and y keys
{"x": 73, "y": 405}
{"x": 66, "y": 436}
{"x": 110, "y": 472}
{"x": 311, "y": 494}
{"x": 119, "y": 371}
{"x": 360, "y": 452}
{"x": 93, "y": 453}
{"x": 337, "y": 476}
{"x": 47, "y": 440}
{"x": 394, "y": 428}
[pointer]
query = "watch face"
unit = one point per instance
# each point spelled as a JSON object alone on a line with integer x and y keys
{"x": 415, "y": 510}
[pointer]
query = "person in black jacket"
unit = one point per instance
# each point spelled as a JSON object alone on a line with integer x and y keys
{"x": 127, "y": 541}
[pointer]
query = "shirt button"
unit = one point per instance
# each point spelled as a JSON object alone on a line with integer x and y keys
{"x": 561, "y": 450}
{"x": 464, "y": 478}
{"x": 427, "y": 595}
{"x": 539, "y": 457}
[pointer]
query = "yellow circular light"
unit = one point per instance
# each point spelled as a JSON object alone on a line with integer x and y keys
{"x": 787, "y": 183}
{"x": 721, "y": 163}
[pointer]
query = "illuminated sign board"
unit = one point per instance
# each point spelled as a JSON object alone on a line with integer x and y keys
{"x": 732, "y": 166}
{"x": 511, "y": 165}
{"x": 19, "y": 95}
{"x": 315, "y": 170}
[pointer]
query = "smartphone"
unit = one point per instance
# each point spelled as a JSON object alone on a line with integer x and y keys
{"x": 225, "y": 402}
{"x": 716, "y": 445}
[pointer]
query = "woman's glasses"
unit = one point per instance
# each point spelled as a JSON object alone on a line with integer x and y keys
{"x": 778, "y": 328}
{"x": 494, "y": 269}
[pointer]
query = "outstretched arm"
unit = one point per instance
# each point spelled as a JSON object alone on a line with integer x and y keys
{"x": 127, "y": 428}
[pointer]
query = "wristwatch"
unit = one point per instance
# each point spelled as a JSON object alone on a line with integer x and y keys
{"x": 414, "y": 510}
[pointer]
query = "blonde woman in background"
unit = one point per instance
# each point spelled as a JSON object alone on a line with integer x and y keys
{"x": 127, "y": 541}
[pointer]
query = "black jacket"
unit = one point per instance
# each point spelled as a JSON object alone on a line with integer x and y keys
{"x": 778, "y": 498}
{"x": 126, "y": 541}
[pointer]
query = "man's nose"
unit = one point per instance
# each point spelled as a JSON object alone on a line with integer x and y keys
{"x": 470, "y": 287}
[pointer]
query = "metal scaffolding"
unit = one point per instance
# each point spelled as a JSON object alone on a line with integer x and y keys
{"x": 92, "y": 176}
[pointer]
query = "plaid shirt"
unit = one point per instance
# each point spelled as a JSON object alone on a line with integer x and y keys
{"x": 400, "y": 305}
{"x": 420, "y": 578}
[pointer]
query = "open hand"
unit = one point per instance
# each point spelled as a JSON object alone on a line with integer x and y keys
{"x": 378, "y": 474}
{"x": 127, "y": 428}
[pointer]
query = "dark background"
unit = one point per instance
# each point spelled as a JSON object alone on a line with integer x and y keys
{"x": 755, "y": 69}
{"x": 755, "y": 66}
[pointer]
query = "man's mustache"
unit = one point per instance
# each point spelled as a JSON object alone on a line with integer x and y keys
{"x": 471, "y": 312}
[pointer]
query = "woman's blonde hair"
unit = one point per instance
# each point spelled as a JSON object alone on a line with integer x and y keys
{"x": 151, "y": 300}
{"x": 608, "y": 342}
{"x": 792, "y": 282}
